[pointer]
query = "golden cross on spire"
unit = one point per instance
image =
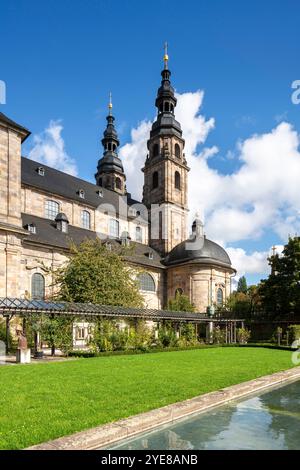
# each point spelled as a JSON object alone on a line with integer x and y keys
{"x": 110, "y": 103}
{"x": 166, "y": 57}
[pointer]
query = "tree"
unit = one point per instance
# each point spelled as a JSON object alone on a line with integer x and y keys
{"x": 96, "y": 275}
{"x": 242, "y": 285}
{"x": 280, "y": 293}
{"x": 239, "y": 305}
{"x": 181, "y": 303}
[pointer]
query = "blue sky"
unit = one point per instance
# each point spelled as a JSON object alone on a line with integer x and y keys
{"x": 60, "y": 59}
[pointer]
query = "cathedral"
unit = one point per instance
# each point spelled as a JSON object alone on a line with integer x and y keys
{"x": 43, "y": 209}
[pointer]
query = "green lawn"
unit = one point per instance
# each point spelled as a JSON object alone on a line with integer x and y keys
{"x": 44, "y": 401}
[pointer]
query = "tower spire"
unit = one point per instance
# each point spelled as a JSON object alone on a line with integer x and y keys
{"x": 166, "y": 57}
{"x": 110, "y": 106}
{"x": 110, "y": 171}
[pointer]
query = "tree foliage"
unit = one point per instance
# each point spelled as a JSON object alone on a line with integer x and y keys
{"x": 96, "y": 275}
{"x": 181, "y": 303}
{"x": 280, "y": 293}
{"x": 242, "y": 285}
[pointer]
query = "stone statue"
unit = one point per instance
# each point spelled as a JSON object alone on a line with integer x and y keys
{"x": 23, "y": 352}
{"x": 22, "y": 340}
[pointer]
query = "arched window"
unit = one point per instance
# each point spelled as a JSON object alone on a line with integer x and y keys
{"x": 167, "y": 107}
{"x": 37, "y": 286}
{"x": 114, "y": 147}
{"x": 177, "y": 151}
{"x": 85, "y": 220}
{"x": 155, "y": 180}
{"x": 178, "y": 291}
{"x": 114, "y": 228}
{"x": 177, "y": 180}
{"x": 51, "y": 209}
{"x": 146, "y": 282}
{"x": 220, "y": 296}
{"x": 118, "y": 183}
{"x": 155, "y": 150}
{"x": 138, "y": 234}
{"x": 109, "y": 146}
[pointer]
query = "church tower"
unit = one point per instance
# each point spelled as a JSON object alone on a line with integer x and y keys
{"x": 110, "y": 172}
{"x": 166, "y": 172}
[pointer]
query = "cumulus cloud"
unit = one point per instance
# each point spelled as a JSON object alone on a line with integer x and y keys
{"x": 49, "y": 148}
{"x": 261, "y": 196}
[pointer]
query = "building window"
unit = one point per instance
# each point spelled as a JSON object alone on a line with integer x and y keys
{"x": 31, "y": 228}
{"x": 146, "y": 282}
{"x": 155, "y": 180}
{"x": 80, "y": 333}
{"x": 167, "y": 107}
{"x": 41, "y": 171}
{"x": 139, "y": 234}
{"x": 220, "y": 296}
{"x": 64, "y": 226}
{"x": 37, "y": 286}
{"x": 51, "y": 209}
{"x": 81, "y": 193}
{"x": 155, "y": 150}
{"x": 177, "y": 180}
{"x": 85, "y": 220}
{"x": 177, "y": 151}
{"x": 118, "y": 183}
{"x": 114, "y": 228}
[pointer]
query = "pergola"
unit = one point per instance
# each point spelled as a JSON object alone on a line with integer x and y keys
{"x": 10, "y": 307}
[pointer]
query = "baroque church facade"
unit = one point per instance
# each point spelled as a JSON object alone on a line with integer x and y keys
{"x": 43, "y": 209}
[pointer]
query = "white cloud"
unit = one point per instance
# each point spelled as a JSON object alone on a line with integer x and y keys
{"x": 261, "y": 196}
{"x": 255, "y": 263}
{"x": 49, "y": 148}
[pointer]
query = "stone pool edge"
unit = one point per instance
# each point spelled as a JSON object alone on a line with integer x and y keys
{"x": 104, "y": 435}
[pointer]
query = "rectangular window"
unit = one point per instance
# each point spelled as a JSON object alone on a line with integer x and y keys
{"x": 114, "y": 228}
{"x": 51, "y": 209}
{"x": 80, "y": 333}
{"x": 85, "y": 220}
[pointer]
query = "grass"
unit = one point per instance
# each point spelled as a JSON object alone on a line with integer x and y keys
{"x": 40, "y": 402}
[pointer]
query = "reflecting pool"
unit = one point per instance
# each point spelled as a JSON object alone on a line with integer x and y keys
{"x": 270, "y": 420}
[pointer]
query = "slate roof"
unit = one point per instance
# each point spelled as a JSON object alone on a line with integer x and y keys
{"x": 48, "y": 234}
{"x": 68, "y": 186}
{"x": 23, "y": 306}
{"x": 207, "y": 252}
{"x": 10, "y": 123}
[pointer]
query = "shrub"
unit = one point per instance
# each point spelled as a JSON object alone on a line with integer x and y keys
{"x": 167, "y": 336}
{"x": 219, "y": 335}
{"x": 294, "y": 333}
{"x": 243, "y": 335}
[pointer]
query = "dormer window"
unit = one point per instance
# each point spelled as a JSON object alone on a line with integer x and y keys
{"x": 62, "y": 222}
{"x": 81, "y": 193}
{"x": 150, "y": 255}
{"x": 31, "y": 228}
{"x": 100, "y": 193}
{"x": 41, "y": 171}
{"x": 125, "y": 239}
{"x": 132, "y": 212}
